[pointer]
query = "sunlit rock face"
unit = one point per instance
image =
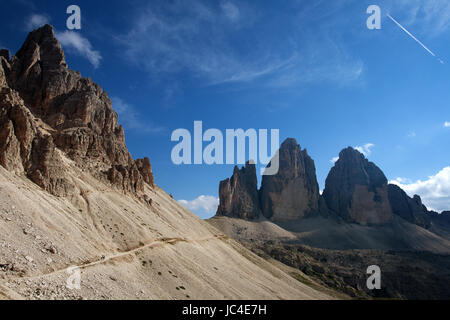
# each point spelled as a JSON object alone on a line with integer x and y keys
{"x": 357, "y": 190}
{"x": 293, "y": 192}
{"x": 46, "y": 108}
{"x": 239, "y": 194}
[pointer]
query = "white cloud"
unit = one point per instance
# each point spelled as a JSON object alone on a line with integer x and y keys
{"x": 197, "y": 41}
{"x": 334, "y": 160}
{"x": 366, "y": 149}
{"x": 130, "y": 118}
{"x": 403, "y": 181}
{"x": 230, "y": 10}
{"x": 202, "y": 42}
{"x": 75, "y": 41}
{"x": 35, "y": 21}
{"x": 446, "y": 124}
{"x": 431, "y": 17}
{"x": 208, "y": 204}
{"x": 435, "y": 191}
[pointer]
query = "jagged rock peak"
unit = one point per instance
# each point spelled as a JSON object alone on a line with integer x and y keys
{"x": 410, "y": 209}
{"x": 293, "y": 192}
{"x": 5, "y": 54}
{"x": 239, "y": 194}
{"x": 362, "y": 171}
{"x": 357, "y": 190}
{"x": 45, "y": 106}
{"x": 42, "y": 44}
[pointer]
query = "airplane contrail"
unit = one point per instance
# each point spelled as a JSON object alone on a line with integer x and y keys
{"x": 417, "y": 40}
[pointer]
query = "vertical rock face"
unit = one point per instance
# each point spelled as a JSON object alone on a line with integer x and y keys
{"x": 239, "y": 194}
{"x": 444, "y": 217}
{"x": 145, "y": 169}
{"x": 27, "y": 148}
{"x": 4, "y": 69}
{"x": 410, "y": 209}
{"x": 46, "y": 107}
{"x": 293, "y": 192}
{"x": 357, "y": 190}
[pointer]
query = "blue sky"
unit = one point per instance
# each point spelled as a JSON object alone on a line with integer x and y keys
{"x": 311, "y": 69}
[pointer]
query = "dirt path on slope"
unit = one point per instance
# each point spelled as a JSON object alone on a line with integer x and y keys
{"x": 153, "y": 244}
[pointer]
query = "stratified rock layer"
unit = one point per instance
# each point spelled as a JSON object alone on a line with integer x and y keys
{"x": 357, "y": 190}
{"x": 293, "y": 192}
{"x": 239, "y": 194}
{"x": 46, "y": 108}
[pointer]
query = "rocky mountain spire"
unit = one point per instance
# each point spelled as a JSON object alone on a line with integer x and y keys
{"x": 45, "y": 106}
{"x": 357, "y": 190}
{"x": 293, "y": 192}
{"x": 410, "y": 209}
{"x": 239, "y": 194}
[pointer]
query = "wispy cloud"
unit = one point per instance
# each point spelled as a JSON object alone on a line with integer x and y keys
{"x": 366, "y": 149}
{"x": 435, "y": 191}
{"x": 70, "y": 40}
{"x": 73, "y": 40}
{"x": 334, "y": 160}
{"x": 446, "y": 124}
{"x": 131, "y": 119}
{"x": 197, "y": 38}
{"x": 208, "y": 204}
{"x": 431, "y": 17}
{"x": 35, "y": 21}
{"x": 230, "y": 10}
{"x": 197, "y": 42}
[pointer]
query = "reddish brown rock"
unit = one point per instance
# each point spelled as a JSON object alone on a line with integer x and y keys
{"x": 357, "y": 190}
{"x": 293, "y": 192}
{"x": 145, "y": 168}
{"x": 46, "y": 107}
{"x": 25, "y": 148}
{"x": 239, "y": 194}
{"x": 5, "y": 69}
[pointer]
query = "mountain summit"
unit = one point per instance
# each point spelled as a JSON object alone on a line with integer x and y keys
{"x": 74, "y": 115}
{"x": 357, "y": 190}
{"x": 293, "y": 192}
{"x": 73, "y": 199}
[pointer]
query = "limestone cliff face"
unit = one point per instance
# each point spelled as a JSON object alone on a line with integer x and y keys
{"x": 410, "y": 209}
{"x": 357, "y": 190}
{"x": 26, "y": 148}
{"x": 293, "y": 192}
{"x": 442, "y": 218}
{"x": 239, "y": 194}
{"x": 46, "y": 108}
